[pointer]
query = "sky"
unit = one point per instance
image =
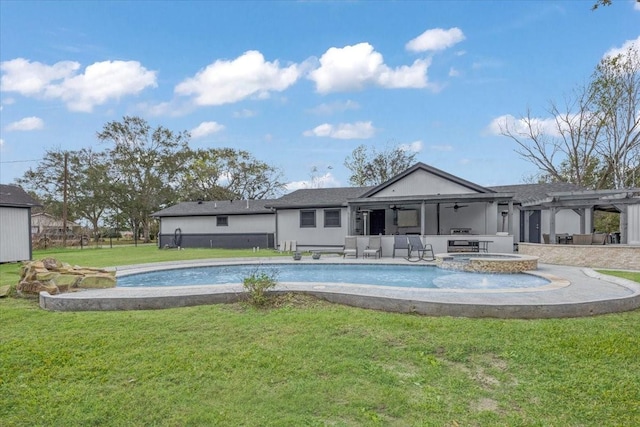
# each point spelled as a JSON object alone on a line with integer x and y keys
{"x": 301, "y": 84}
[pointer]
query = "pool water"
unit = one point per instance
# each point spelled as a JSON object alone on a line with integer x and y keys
{"x": 382, "y": 275}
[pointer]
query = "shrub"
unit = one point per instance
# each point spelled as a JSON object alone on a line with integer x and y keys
{"x": 258, "y": 284}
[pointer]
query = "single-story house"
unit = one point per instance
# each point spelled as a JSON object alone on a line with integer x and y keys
{"x": 42, "y": 223}
{"x": 217, "y": 224}
{"x": 423, "y": 200}
{"x": 15, "y": 223}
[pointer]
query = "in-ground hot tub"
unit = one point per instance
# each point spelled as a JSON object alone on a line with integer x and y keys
{"x": 487, "y": 263}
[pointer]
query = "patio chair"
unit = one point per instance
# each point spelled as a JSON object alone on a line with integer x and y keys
{"x": 400, "y": 243}
{"x": 374, "y": 248}
{"x": 350, "y": 247}
{"x": 416, "y": 245}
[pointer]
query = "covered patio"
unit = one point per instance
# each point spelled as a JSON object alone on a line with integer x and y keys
{"x": 440, "y": 220}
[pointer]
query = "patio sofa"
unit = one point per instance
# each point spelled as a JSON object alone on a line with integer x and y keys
{"x": 590, "y": 239}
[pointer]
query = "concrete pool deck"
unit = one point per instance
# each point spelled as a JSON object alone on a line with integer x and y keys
{"x": 572, "y": 292}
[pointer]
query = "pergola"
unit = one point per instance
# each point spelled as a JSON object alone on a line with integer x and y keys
{"x": 580, "y": 201}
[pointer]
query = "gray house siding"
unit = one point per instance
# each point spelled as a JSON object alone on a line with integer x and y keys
{"x": 218, "y": 231}
{"x": 310, "y": 237}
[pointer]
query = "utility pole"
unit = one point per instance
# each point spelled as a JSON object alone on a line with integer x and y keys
{"x": 65, "y": 182}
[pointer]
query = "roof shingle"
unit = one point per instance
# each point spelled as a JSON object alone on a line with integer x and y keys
{"x": 14, "y": 196}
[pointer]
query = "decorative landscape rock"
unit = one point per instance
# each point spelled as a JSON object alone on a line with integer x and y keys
{"x": 53, "y": 276}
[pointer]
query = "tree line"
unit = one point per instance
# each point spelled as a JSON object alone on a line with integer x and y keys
{"x": 142, "y": 170}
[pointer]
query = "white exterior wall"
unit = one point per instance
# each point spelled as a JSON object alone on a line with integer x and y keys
{"x": 207, "y": 224}
{"x": 633, "y": 230}
{"x": 289, "y": 229}
{"x": 421, "y": 182}
{"x": 567, "y": 221}
{"x": 480, "y": 217}
{"x": 15, "y": 235}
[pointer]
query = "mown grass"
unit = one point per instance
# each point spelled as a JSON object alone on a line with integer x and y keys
{"x": 308, "y": 362}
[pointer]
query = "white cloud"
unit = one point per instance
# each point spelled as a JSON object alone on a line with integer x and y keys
{"x": 1, "y": 143}
{"x": 244, "y": 114}
{"x": 622, "y": 50}
{"x": 636, "y": 5}
{"x": 100, "y": 82}
{"x": 453, "y": 72}
{"x": 522, "y": 126}
{"x": 444, "y": 147}
{"x": 206, "y": 128}
{"x": 225, "y": 82}
{"x": 335, "y": 107}
{"x": 414, "y": 147}
{"x": 26, "y": 124}
{"x": 354, "y": 67}
{"x": 435, "y": 39}
{"x": 325, "y": 181}
{"x": 358, "y": 130}
{"x": 32, "y": 78}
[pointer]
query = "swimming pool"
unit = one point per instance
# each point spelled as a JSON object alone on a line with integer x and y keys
{"x": 382, "y": 275}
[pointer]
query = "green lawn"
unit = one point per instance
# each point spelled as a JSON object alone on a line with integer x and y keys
{"x": 307, "y": 362}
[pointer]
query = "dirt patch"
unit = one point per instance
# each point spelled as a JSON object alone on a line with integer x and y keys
{"x": 484, "y": 404}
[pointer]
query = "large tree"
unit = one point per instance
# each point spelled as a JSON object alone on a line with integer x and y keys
{"x": 146, "y": 164}
{"x": 593, "y": 139}
{"x": 71, "y": 182}
{"x": 226, "y": 173}
{"x": 616, "y": 93}
{"x": 371, "y": 167}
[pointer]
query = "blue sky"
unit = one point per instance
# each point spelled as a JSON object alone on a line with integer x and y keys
{"x": 300, "y": 84}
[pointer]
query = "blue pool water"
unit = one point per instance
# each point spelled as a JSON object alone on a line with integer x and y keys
{"x": 383, "y": 275}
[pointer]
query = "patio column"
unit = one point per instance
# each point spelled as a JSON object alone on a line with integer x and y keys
{"x": 583, "y": 227}
{"x": 423, "y": 217}
{"x": 552, "y": 225}
{"x": 350, "y": 217}
{"x": 365, "y": 223}
{"x": 510, "y": 218}
{"x": 624, "y": 224}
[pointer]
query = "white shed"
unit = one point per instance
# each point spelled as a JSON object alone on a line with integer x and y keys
{"x": 15, "y": 224}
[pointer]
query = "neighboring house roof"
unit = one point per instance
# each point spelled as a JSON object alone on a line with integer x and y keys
{"x": 318, "y": 197}
{"x": 16, "y": 197}
{"x": 531, "y": 192}
{"x": 217, "y": 207}
{"x": 434, "y": 171}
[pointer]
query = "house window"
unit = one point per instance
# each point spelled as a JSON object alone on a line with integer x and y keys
{"x": 307, "y": 219}
{"x": 332, "y": 218}
{"x": 222, "y": 221}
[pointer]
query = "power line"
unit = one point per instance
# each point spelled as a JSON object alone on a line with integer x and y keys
{"x": 21, "y": 161}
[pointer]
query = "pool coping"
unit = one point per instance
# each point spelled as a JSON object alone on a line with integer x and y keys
{"x": 573, "y": 292}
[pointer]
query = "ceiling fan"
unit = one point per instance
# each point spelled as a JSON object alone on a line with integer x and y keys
{"x": 456, "y": 206}
{"x": 399, "y": 208}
